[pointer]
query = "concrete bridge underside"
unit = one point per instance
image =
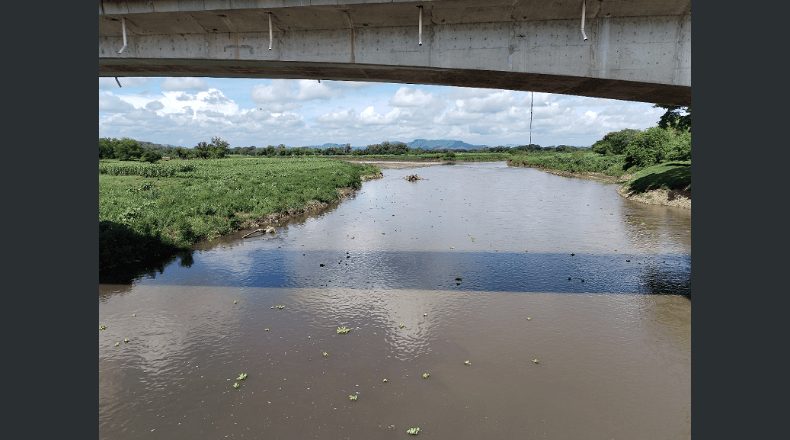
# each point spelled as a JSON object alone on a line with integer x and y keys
{"x": 638, "y": 50}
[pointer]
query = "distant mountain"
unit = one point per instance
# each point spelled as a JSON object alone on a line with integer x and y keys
{"x": 426, "y": 144}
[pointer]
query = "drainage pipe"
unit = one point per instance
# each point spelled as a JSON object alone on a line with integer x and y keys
{"x": 420, "y": 24}
{"x": 123, "y": 23}
{"x": 584, "y": 4}
{"x": 270, "y": 31}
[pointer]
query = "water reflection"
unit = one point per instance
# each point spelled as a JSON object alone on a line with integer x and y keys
{"x": 476, "y": 247}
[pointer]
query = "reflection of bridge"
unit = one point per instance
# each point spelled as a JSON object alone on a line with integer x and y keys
{"x": 638, "y": 50}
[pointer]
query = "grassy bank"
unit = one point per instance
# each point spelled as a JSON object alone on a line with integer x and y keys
{"x": 575, "y": 162}
{"x": 675, "y": 175}
{"x": 154, "y": 210}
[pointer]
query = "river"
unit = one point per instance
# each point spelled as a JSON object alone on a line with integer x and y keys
{"x": 571, "y": 304}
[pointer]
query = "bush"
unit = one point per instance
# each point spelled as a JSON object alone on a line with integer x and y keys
{"x": 615, "y": 142}
{"x": 680, "y": 148}
{"x": 648, "y": 148}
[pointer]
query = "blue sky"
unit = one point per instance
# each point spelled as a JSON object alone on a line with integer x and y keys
{"x": 261, "y": 112}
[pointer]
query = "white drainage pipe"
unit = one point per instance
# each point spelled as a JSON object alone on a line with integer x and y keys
{"x": 270, "y": 31}
{"x": 123, "y": 23}
{"x": 584, "y": 4}
{"x": 420, "y": 25}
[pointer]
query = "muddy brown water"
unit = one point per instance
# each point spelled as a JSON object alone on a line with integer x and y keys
{"x": 613, "y": 351}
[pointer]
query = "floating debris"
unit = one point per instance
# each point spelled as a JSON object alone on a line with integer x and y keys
{"x": 236, "y": 385}
{"x": 134, "y": 314}
{"x": 467, "y": 363}
{"x": 413, "y": 431}
{"x": 342, "y": 330}
{"x": 413, "y": 178}
{"x": 424, "y": 314}
{"x": 242, "y": 376}
{"x": 425, "y": 375}
{"x": 117, "y": 344}
{"x": 266, "y": 329}
{"x": 102, "y": 327}
{"x": 384, "y": 380}
{"x": 528, "y": 318}
{"x": 535, "y": 361}
{"x": 458, "y": 279}
{"x": 401, "y": 325}
{"x": 281, "y": 307}
{"x": 352, "y": 397}
{"x": 234, "y": 302}
{"x": 126, "y": 340}
{"x": 327, "y": 354}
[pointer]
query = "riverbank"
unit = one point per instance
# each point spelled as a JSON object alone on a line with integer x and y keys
{"x": 664, "y": 184}
{"x": 148, "y": 212}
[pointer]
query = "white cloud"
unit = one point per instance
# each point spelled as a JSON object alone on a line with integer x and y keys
{"x": 109, "y": 103}
{"x": 413, "y": 97}
{"x": 184, "y": 84}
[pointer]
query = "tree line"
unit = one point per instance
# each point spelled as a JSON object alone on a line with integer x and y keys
{"x": 669, "y": 140}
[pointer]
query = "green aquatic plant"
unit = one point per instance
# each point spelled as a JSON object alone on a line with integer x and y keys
{"x": 117, "y": 344}
{"x": 528, "y": 318}
{"x": 102, "y": 327}
{"x": 242, "y": 376}
{"x": 280, "y": 307}
{"x": 134, "y": 314}
{"x": 342, "y": 330}
{"x": 236, "y": 385}
{"x": 425, "y": 375}
{"x": 413, "y": 431}
{"x": 401, "y": 325}
{"x": 266, "y": 329}
{"x": 535, "y": 361}
{"x": 467, "y": 363}
{"x": 352, "y": 397}
{"x": 384, "y": 380}
{"x": 126, "y": 340}
{"x": 327, "y": 354}
{"x": 234, "y": 302}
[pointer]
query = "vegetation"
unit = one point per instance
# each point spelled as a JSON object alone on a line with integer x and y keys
{"x": 668, "y": 175}
{"x": 630, "y": 151}
{"x": 147, "y": 209}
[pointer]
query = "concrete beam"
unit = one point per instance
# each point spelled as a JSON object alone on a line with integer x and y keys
{"x": 467, "y": 44}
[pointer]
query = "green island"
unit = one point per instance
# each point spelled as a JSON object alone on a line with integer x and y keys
{"x": 154, "y": 210}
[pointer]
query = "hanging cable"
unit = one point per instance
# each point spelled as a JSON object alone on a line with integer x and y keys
{"x": 119, "y": 83}
{"x": 530, "y": 117}
{"x": 123, "y": 23}
{"x": 420, "y": 41}
{"x": 584, "y": 4}
{"x": 270, "y": 31}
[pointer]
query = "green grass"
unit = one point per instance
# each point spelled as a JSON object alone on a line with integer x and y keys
{"x": 577, "y": 162}
{"x": 150, "y": 209}
{"x": 667, "y": 175}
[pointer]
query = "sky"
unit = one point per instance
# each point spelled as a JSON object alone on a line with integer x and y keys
{"x": 261, "y": 112}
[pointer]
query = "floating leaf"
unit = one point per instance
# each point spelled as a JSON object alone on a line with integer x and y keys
{"x": 102, "y": 327}
{"x": 342, "y": 330}
{"x": 384, "y": 380}
{"x": 401, "y": 325}
{"x": 425, "y": 375}
{"x": 535, "y": 361}
{"x": 234, "y": 302}
{"x": 327, "y": 354}
{"x": 117, "y": 344}
{"x": 242, "y": 376}
{"x": 236, "y": 385}
{"x": 467, "y": 363}
{"x": 413, "y": 431}
{"x": 352, "y": 397}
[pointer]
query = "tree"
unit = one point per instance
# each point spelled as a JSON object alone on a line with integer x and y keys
{"x": 127, "y": 149}
{"x": 106, "y": 148}
{"x": 675, "y": 117}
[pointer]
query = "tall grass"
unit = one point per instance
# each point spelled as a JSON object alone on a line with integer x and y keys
{"x": 577, "y": 162}
{"x": 172, "y": 206}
